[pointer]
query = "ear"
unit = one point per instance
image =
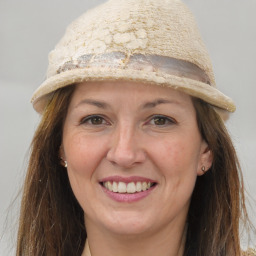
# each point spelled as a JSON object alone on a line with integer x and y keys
{"x": 62, "y": 156}
{"x": 206, "y": 159}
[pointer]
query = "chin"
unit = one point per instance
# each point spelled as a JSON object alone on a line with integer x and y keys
{"x": 128, "y": 223}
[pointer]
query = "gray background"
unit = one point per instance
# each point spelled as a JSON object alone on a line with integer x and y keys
{"x": 29, "y": 29}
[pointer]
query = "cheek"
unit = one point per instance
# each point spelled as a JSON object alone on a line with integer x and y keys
{"x": 180, "y": 155}
{"x": 177, "y": 161}
{"x": 82, "y": 153}
{"x": 174, "y": 153}
{"x": 83, "y": 156}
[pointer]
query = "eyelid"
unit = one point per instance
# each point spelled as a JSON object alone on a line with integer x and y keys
{"x": 85, "y": 119}
{"x": 170, "y": 120}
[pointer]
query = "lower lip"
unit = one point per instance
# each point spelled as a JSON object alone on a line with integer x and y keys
{"x": 126, "y": 197}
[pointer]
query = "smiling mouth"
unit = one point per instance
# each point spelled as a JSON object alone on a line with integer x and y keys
{"x": 127, "y": 188}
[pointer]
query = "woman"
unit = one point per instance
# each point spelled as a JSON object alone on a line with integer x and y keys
{"x": 131, "y": 156}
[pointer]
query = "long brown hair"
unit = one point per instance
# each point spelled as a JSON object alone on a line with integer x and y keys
{"x": 218, "y": 200}
{"x": 52, "y": 221}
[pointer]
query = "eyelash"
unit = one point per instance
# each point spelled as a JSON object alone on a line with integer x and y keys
{"x": 167, "y": 120}
{"x": 91, "y": 118}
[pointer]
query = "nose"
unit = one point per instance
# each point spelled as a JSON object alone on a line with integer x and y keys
{"x": 126, "y": 150}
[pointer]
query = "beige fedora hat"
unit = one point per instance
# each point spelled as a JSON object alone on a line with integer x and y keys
{"x": 148, "y": 41}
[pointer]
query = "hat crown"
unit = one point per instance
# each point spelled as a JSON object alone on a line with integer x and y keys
{"x": 149, "y": 27}
{"x": 147, "y": 41}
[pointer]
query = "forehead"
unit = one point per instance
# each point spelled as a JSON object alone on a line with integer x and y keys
{"x": 126, "y": 90}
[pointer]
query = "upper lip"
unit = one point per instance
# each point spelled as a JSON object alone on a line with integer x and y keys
{"x": 126, "y": 179}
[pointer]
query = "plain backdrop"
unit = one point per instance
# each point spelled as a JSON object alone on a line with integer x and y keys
{"x": 29, "y": 29}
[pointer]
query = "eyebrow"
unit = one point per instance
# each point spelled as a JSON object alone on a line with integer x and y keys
{"x": 99, "y": 104}
{"x": 146, "y": 105}
{"x": 156, "y": 102}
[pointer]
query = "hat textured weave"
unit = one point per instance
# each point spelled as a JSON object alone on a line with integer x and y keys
{"x": 147, "y": 41}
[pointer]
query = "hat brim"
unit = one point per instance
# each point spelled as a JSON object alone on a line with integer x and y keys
{"x": 192, "y": 87}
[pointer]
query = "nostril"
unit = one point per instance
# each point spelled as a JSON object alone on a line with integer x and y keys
{"x": 125, "y": 157}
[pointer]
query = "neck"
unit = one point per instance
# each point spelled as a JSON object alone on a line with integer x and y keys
{"x": 164, "y": 243}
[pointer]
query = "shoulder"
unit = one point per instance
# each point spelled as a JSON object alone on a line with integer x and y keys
{"x": 249, "y": 252}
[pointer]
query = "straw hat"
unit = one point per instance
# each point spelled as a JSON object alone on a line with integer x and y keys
{"x": 148, "y": 41}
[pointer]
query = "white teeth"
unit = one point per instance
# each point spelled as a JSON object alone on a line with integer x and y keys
{"x": 109, "y": 186}
{"x": 131, "y": 188}
{"x": 121, "y": 187}
{"x": 144, "y": 186}
{"x": 114, "y": 187}
{"x": 138, "y": 186}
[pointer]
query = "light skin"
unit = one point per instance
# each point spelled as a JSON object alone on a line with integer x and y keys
{"x": 129, "y": 129}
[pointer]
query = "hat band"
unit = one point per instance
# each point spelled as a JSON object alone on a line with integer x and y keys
{"x": 147, "y": 63}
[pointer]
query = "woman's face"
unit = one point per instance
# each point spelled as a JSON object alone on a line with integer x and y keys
{"x": 133, "y": 152}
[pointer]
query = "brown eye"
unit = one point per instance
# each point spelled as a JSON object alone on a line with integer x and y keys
{"x": 96, "y": 120}
{"x": 93, "y": 120}
{"x": 160, "y": 120}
